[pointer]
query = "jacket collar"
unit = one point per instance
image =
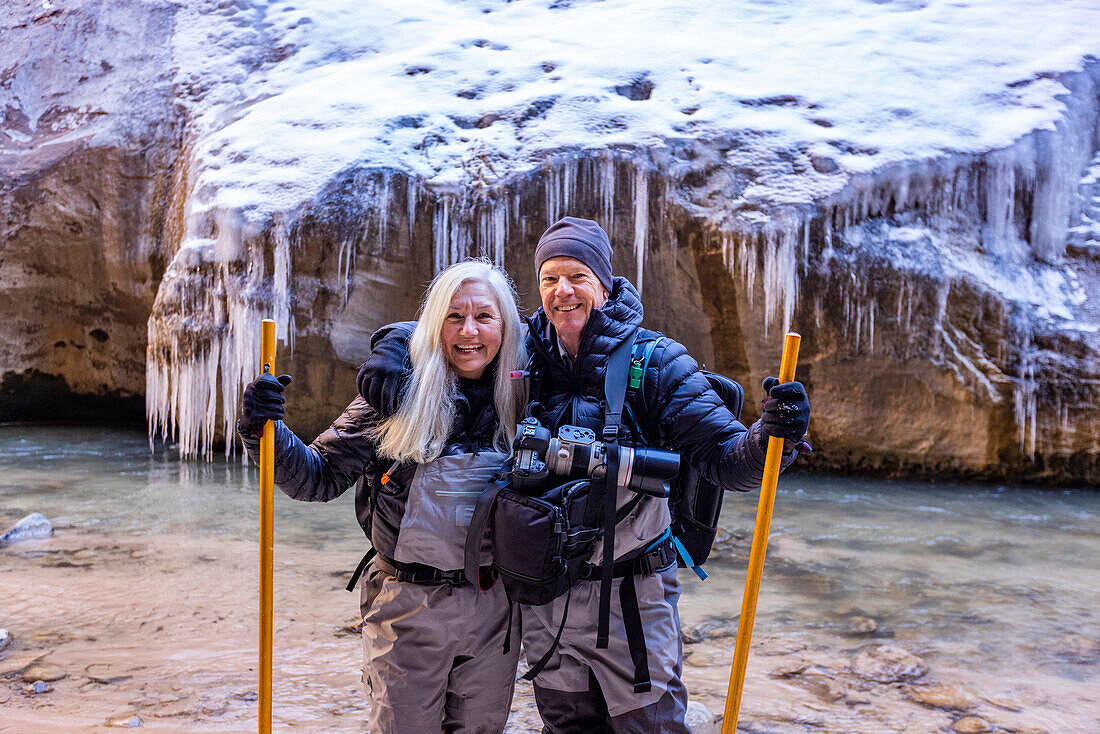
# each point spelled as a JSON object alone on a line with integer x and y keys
{"x": 607, "y": 325}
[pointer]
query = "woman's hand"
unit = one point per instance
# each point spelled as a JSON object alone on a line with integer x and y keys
{"x": 262, "y": 402}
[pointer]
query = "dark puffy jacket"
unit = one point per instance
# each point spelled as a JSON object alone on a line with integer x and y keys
{"x": 326, "y": 468}
{"x": 675, "y": 409}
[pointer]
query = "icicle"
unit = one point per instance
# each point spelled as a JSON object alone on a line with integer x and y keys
{"x": 641, "y": 224}
{"x": 441, "y": 233}
{"x": 606, "y": 186}
{"x": 411, "y": 200}
{"x": 500, "y": 231}
{"x": 1024, "y": 399}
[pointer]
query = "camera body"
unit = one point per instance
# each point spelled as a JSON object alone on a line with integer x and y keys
{"x": 575, "y": 453}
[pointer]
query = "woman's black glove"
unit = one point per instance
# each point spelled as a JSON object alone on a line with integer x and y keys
{"x": 786, "y": 411}
{"x": 263, "y": 401}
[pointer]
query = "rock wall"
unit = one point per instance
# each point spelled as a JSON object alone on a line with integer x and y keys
{"x": 83, "y": 183}
{"x": 947, "y": 329}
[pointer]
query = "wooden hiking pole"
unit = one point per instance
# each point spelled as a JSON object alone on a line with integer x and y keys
{"x": 756, "y": 554}
{"x": 267, "y": 532}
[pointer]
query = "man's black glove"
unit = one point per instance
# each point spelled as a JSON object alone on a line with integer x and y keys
{"x": 383, "y": 377}
{"x": 263, "y": 401}
{"x": 786, "y": 411}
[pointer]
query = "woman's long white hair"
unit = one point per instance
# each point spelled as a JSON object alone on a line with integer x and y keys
{"x": 418, "y": 431}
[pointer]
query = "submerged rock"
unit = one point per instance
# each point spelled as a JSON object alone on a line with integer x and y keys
{"x": 700, "y": 719}
{"x": 32, "y": 527}
{"x": 124, "y": 721}
{"x": 44, "y": 672}
{"x": 37, "y": 687}
{"x": 972, "y": 725}
{"x": 5, "y": 638}
{"x": 887, "y": 664}
{"x": 709, "y": 630}
{"x": 859, "y": 627}
{"x": 943, "y": 696}
{"x": 1077, "y": 648}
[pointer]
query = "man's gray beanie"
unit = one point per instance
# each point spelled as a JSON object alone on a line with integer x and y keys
{"x": 581, "y": 239}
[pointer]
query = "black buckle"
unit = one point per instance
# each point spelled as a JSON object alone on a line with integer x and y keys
{"x": 610, "y": 433}
{"x": 657, "y": 559}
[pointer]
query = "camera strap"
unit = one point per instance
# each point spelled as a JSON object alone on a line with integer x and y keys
{"x": 615, "y": 379}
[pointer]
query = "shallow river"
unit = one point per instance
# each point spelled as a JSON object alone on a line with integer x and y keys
{"x": 885, "y": 606}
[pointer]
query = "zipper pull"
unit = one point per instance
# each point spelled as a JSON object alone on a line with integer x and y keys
{"x": 389, "y": 472}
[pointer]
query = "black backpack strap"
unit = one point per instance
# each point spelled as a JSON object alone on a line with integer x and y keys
{"x": 360, "y": 568}
{"x": 615, "y": 380}
{"x": 537, "y": 667}
{"x": 475, "y": 536}
{"x": 635, "y": 634}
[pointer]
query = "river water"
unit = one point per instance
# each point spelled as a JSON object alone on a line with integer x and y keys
{"x": 885, "y": 606}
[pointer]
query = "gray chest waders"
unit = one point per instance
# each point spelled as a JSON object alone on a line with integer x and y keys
{"x": 603, "y": 515}
{"x": 439, "y": 504}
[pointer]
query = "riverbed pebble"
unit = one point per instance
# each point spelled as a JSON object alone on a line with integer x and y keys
{"x": 39, "y": 686}
{"x": 700, "y": 719}
{"x": 1077, "y": 648}
{"x": 942, "y": 696}
{"x": 972, "y": 725}
{"x": 887, "y": 664}
{"x": 5, "y": 638}
{"x": 709, "y": 630}
{"x": 859, "y": 627}
{"x": 43, "y": 672}
{"x": 124, "y": 721}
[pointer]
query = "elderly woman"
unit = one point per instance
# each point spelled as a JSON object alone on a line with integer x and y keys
{"x": 433, "y": 642}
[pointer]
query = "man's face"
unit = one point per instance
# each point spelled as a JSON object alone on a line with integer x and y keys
{"x": 570, "y": 292}
{"x": 472, "y": 330}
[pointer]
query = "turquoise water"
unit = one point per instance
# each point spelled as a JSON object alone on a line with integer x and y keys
{"x": 995, "y": 588}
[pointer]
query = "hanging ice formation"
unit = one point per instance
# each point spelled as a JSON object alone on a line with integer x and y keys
{"x": 931, "y": 223}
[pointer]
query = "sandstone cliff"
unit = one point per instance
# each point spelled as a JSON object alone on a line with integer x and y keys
{"x": 921, "y": 209}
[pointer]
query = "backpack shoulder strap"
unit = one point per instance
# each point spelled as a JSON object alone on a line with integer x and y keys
{"x": 475, "y": 535}
{"x": 615, "y": 379}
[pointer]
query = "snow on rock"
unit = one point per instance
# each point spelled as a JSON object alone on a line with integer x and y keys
{"x": 896, "y": 180}
{"x": 945, "y": 140}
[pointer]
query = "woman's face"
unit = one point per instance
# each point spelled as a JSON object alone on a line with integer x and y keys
{"x": 472, "y": 330}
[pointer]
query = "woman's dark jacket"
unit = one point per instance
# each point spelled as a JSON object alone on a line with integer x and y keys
{"x": 343, "y": 453}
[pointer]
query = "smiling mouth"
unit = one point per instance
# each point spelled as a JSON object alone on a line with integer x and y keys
{"x": 573, "y": 307}
{"x": 469, "y": 350}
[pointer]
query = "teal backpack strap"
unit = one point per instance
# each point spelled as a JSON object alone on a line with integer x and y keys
{"x": 688, "y": 561}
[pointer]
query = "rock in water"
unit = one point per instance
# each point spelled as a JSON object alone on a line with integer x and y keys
{"x": 5, "y": 638}
{"x": 33, "y": 526}
{"x": 972, "y": 725}
{"x": 887, "y": 664}
{"x": 700, "y": 719}
{"x": 43, "y": 672}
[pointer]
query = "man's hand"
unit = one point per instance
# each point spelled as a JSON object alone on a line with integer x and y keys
{"x": 263, "y": 401}
{"x": 387, "y": 372}
{"x": 786, "y": 411}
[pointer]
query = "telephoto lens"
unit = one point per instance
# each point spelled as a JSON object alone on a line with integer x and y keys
{"x": 650, "y": 470}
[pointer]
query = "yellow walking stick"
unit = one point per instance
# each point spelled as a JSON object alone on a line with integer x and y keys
{"x": 756, "y": 554}
{"x": 267, "y": 532}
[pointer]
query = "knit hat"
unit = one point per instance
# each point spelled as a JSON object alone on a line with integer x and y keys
{"x": 581, "y": 239}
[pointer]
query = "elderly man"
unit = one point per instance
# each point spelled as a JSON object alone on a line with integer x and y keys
{"x": 629, "y": 685}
